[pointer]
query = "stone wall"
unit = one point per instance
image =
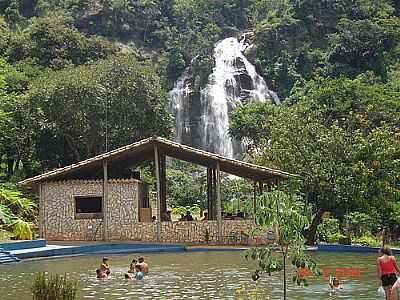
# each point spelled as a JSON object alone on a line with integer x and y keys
{"x": 57, "y": 209}
{"x": 57, "y": 216}
{"x": 183, "y": 232}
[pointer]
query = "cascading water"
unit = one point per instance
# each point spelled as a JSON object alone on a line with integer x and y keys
{"x": 204, "y": 122}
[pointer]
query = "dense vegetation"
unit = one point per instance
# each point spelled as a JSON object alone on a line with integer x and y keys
{"x": 65, "y": 64}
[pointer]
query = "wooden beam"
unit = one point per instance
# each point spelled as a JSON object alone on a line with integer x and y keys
{"x": 42, "y": 214}
{"x": 214, "y": 195}
{"x": 158, "y": 183}
{"x": 218, "y": 202}
{"x": 163, "y": 185}
{"x": 209, "y": 193}
{"x": 105, "y": 200}
{"x": 261, "y": 187}
{"x": 254, "y": 200}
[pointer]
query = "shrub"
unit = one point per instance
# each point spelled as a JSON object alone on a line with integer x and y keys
{"x": 54, "y": 287}
{"x": 181, "y": 210}
{"x": 335, "y": 237}
{"x": 366, "y": 240}
{"x": 359, "y": 223}
{"x": 328, "y": 228}
{"x": 22, "y": 230}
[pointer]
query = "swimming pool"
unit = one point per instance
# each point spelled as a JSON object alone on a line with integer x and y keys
{"x": 203, "y": 275}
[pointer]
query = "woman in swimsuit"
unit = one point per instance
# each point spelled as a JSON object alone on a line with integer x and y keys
{"x": 387, "y": 268}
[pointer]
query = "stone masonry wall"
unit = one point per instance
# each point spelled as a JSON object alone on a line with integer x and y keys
{"x": 183, "y": 232}
{"x": 57, "y": 208}
{"x": 57, "y": 216}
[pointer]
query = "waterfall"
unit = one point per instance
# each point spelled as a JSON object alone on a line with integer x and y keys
{"x": 203, "y": 121}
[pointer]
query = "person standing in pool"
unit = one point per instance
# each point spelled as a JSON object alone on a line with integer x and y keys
{"x": 387, "y": 268}
{"x": 143, "y": 265}
{"x": 104, "y": 269}
{"x": 139, "y": 275}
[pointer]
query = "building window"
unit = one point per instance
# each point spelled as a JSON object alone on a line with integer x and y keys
{"x": 88, "y": 207}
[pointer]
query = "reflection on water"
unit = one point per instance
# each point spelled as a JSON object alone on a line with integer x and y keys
{"x": 210, "y": 275}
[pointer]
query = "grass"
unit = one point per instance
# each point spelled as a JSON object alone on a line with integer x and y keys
{"x": 53, "y": 287}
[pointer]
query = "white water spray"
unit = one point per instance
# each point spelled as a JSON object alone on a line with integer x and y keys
{"x": 204, "y": 122}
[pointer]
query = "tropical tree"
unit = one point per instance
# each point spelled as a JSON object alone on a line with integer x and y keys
{"x": 120, "y": 97}
{"x": 283, "y": 212}
{"x": 337, "y": 138}
{"x": 186, "y": 185}
{"x": 17, "y": 212}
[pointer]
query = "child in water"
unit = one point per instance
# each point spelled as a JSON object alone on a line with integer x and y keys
{"x": 138, "y": 275}
{"x": 104, "y": 269}
{"x": 302, "y": 273}
{"x": 334, "y": 283}
{"x": 132, "y": 266}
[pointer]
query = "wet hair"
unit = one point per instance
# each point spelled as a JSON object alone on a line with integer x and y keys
{"x": 385, "y": 250}
{"x": 105, "y": 259}
{"x": 141, "y": 259}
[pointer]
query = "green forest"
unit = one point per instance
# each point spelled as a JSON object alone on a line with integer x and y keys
{"x": 334, "y": 64}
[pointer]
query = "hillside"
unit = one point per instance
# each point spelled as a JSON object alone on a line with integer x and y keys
{"x": 65, "y": 64}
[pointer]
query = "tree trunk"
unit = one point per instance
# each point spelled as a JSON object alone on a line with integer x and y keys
{"x": 10, "y": 167}
{"x": 284, "y": 276}
{"x": 313, "y": 228}
{"x": 71, "y": 146}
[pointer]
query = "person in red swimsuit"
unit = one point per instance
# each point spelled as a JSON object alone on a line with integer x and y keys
{"x": 387, "y": 268}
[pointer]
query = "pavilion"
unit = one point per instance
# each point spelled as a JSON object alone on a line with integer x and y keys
{"x": 92, "y": 200}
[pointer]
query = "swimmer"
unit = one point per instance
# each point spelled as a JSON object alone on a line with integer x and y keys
{"x": 104, "y": 269}
{"x": 132, "y": 266}
{"x": 334, "y": 283}
{"x": 302, "y": 273}
{"x": 129, "y": 276}
{"x": 143, "y": 265}
{"x": 139, "y": 275}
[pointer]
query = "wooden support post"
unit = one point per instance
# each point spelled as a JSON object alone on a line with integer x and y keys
{"x": 261, "y": 187}
{"x": 163, "y": 186}
{"x": 42, "y": 214}
{"x": 158, "y": 183}
{"x": 105, "y": 200}
{"x": 270, "y": 185}
{"x": 214, "y": 195}
{"x": 218, "y": 202}
{"x": 254, "y": 200}
{"x": 209, "y": 193}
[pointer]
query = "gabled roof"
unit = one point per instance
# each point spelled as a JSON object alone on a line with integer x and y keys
{"x": 144, "y": 150}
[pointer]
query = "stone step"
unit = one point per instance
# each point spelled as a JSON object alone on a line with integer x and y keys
{"x": 7, "y": 261}
{"x": 6, "y": 257}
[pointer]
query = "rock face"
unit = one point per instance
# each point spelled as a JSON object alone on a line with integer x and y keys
{"x": 202, "y": 119}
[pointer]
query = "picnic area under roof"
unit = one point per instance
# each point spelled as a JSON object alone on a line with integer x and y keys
{"x": 143, "y": 150}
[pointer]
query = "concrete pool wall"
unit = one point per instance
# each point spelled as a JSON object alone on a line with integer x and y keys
{"x": 39, "y": 248}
